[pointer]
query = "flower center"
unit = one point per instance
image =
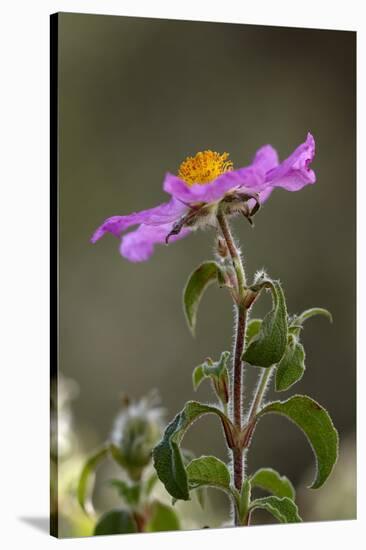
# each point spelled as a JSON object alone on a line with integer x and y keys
{"x": 204, "y": 167}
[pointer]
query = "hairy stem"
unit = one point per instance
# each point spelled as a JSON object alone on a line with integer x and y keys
{"x": 241, "y": 317}
{"x": 234, "y": 253}
{"x": 259, "y": 394}
{"x": 237, "y": 378}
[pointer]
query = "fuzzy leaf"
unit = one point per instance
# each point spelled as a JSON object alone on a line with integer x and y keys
{"x": 163, "y": 518}
{"x": 300, "y": 319}
{"x": 271, "y": 481}
{"x": 188, "y": 456}
{"x": 85, "y": 478}
{"x": 217, "y": 372}
{"x": 268, "y": 347}
{"x": 115, "y": 522}
{"x": 199, "y": 374}
{"x": 245, "y": 495}
{"x": 129, "y": 493}
{"x": 318, "y": 427}
{"x": 208, "y": 471}
{"x": 210, "y": 369}
{"x": 253, "y": 329}
{"x": 168, "y": 460}
{"x": 283, "y": 509}
{"x": 197, "y": 283}
{"x": 292, "y": 365}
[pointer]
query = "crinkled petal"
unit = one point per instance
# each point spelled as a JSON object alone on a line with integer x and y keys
{"x": 266, "y": 158}
{"x": 251, "y": 178}
{"x": 138, "y": 245}
{"x": 294, "y": 172}
{"x": 164, "y": 213}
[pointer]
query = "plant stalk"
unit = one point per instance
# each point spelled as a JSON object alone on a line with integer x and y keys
{"x": 241, "y": 318}
{"x": 237, "y": 389}
{"x": 261, "y": 389}
{"x": 234, "y": 253}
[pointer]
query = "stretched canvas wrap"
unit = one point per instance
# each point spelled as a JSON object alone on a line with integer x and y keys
{"x": 203, "y": 275}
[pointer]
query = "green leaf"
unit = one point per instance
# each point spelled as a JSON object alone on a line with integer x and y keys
{"x": 283, "y": 509}
{"x": 292, "y": 365}
{"x": 318, "y": 427}
{"x": 210, "y": 369}
{"x": 168, "y": 460}
{"x": 208, "y": 471}
{"x": 163, "y": 518}
{"x": 253, "y": 328}
{"x": 85, "y": 478}
{"x": 129, "y": 493}
{"x": 300, "y": 319}
{"x": 197, "y": 283}
{"x": 115, "y": 522}
{"x": 217, "y": 372}
{"x": 271, "y": 481}
{"x": 268, "y": 346}
{"x": 188, "y": 456}
{"x": 245, "y": 495}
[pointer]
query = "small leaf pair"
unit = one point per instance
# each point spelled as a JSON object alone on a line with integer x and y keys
{"x": 209, "y": 471}
{"x": 281, "y": 502}
{"x": 217, "y": 372}
{"x": 306, "y": 413}
{"x": 275, "y": 340}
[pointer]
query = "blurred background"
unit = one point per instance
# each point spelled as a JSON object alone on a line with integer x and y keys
{"x": 136, "y": 96}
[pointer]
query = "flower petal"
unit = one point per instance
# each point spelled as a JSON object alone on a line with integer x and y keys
{"x": 294, "y": 172}
{"x": 266, "y": 158}
{"x": 251, "y": 178}
{"x": 162, "y": 214}
{"x": 138, "y": 246}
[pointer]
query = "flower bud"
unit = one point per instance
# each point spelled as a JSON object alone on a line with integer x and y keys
{"x": 137, "y": 429}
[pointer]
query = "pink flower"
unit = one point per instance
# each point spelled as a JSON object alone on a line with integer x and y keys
{"x": 205, "y": 183}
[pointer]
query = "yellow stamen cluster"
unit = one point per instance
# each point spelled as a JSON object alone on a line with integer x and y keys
{"x": 204, "y": 167}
